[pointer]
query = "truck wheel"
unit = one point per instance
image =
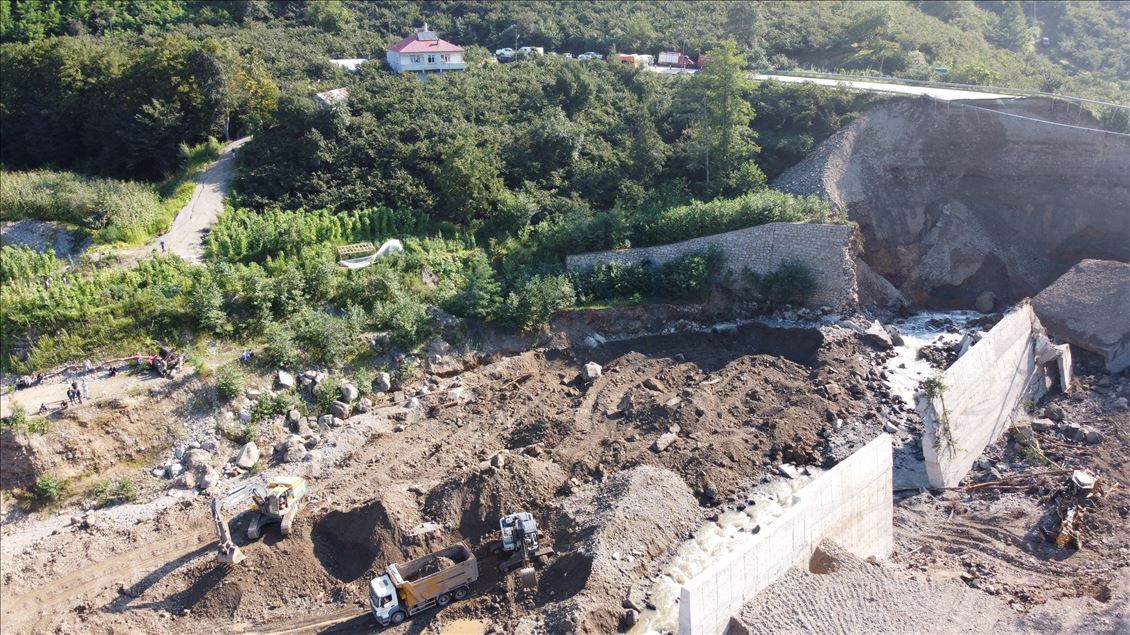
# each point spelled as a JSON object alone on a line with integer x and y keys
{"x": 461, "y": 593}
{"x": 398, "y": 617}
{"x": 444, "y": 599}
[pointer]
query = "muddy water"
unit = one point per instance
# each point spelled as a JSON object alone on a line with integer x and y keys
{"x": 731, "y": 531}
{"x": 905, "y": 371}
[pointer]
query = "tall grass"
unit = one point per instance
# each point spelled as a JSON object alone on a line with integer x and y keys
{"x": 114, "y": 211}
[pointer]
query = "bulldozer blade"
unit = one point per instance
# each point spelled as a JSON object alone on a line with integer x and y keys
{"x": 529, "y": 577}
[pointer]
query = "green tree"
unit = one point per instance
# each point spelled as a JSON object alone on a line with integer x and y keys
{"x": 1012, "y": 29}
{"x": 719, "y": 137}
{"x": 468, "y": 179}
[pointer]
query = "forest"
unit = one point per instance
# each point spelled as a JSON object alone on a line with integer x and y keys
{"x": 490, "y": 177}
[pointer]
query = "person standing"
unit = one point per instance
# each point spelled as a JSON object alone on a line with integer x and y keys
{"x": 71, "y": 395}
{"x": 86, "y": 367}
{"x": 85, "y": 391}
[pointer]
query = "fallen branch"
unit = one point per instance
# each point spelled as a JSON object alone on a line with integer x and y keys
{"x": 1010, "y": 479}
{"x": 516, "y": 381}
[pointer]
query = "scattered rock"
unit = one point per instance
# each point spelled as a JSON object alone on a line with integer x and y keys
{"x": 245, "y": 416}
{"x": 285, "y": 379}
{"x": 253, "y": 393}
{"x": 364, "y": 404}
{"x": 591, "y": 371}
{"x": 1091, "y": 435}
{"x": 349, "y": 393}
{"x": 340, "y": 409}
{"x": 893, "y": 333}
{"x": 1043, "y": 425}
{"x": 1054, "y": 412}
{"x": 412, "y": 404}
{"x": 788, "y": 470}
{"x": 664, "y": 441}
{"x": 186, "y": 481}
{"x": 174, "y": 470}
{"x": 382, "y": 383}
{"x": 209, "y": 479}
{"x": 890, "y": 428}
{"x": 248, "y": 455}
{"x": 654, "y": 384}
{"x": 197, "y": 458}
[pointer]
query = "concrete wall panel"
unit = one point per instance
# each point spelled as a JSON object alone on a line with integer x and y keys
{"x": 825, "y": 249}
{"x": 852, "y": 503}
{"x": 983, "y": 390}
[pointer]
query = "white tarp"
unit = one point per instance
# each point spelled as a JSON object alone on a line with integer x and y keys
{"x": 389, "y": 247}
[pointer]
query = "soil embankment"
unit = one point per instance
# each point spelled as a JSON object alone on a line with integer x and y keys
{"x": 956, "y": 200}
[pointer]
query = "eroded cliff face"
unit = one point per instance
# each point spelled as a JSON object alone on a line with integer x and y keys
{"x": 954, "y": 201}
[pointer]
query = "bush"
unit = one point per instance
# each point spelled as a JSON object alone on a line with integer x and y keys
{"x": 529, "y": 306}
{"x": 230, "y": 382}
{"x": 18, "y": 419}
{"x": 687, "y": 278}
{"x": 20, "y": 262}
{"x": 49, "y": 488}
{"x": 273, "y": 404}
{"x": 327, "y": 392}
{"x": 121, "y": 490}
{"x": 790, "y": 283}
{"x": 325, "y": 338}
{"x": 280, "y": 350}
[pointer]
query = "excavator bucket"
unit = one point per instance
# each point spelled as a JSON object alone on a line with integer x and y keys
{"x": 529, "y": 577}
{"x": 232, "y": 555}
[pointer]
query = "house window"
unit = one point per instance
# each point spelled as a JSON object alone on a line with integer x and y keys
{"x": 431, "y": 59}
{"x": 445, "y": 57}
{"x": 415, "y": 59}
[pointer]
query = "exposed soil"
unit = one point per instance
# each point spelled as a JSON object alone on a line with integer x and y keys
{"x": 524, "y": 433}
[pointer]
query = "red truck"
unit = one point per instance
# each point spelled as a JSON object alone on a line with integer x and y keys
{"x": 675, "y": 59}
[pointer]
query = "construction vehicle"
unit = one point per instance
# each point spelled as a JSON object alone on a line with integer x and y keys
{"x": 680, "y": 60}
{"x": 436, "y": 579}
{"x": 520, "y": 540}
{"x": 277, "y": 503}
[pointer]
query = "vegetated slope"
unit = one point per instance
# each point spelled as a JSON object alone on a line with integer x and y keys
{"x": 954, "y": 201}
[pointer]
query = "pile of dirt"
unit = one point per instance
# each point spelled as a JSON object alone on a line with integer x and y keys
{"x": 954, "y": 202}
{"x": 349, "y": 543}
{"x": 474, "y": 503}
{"x": 605, "y": 536}
{"x": 1087, "y": 307}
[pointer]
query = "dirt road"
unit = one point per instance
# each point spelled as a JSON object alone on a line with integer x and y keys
{"x": 186, "y": 237}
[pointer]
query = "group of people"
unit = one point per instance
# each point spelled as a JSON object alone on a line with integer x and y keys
{"x": 78, "y": 391}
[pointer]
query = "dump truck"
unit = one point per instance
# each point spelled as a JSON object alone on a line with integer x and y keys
{"x": 680, "y": 60}
{"x": 436, "y": 579}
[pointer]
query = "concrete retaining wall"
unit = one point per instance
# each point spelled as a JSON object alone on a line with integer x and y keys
{"x": 984, "y": 389}
{"x": 825, "y": 249}
{"x": 852, "y": 504}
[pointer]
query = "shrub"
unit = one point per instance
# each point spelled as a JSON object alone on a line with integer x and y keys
{"x": 364, "y": 377}
{"x": 273, "y": 404}
{"x": 790, "y": 283}
{"x": 49, "y": 488}
{"x": 18, "y": 419}
{"x": 685, "y": 278}
{"x": 20, "y": 262}
{"x": 327, "y": 392}
{"x": 121, "y": 490}
{"x": 529, "y": 306}
{"x": 280, "y": 350}
{"x": 230, "y": 382}
{"x": 325, "y": 338}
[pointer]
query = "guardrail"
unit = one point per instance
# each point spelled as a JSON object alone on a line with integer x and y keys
{"x": 936, "y": 84}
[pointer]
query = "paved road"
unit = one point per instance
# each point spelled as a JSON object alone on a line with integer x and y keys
{"x": 945, "y": 94}
{"x": 186, "y": 237}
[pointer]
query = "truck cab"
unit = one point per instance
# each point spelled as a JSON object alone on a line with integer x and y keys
{"x": 385, "y": 602}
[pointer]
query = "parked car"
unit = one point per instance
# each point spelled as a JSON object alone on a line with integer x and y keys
{"x": 590, "y": 56}
{"x": 531, "y": 50}
{"x": 567, "y": 55}
{"x": 504, "y": 53}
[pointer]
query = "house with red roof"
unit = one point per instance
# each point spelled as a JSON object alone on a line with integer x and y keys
{"x": 424, "y": 52}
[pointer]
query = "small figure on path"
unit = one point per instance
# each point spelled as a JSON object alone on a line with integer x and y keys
{"x": 86, "y": 367}
{"x": 85, "y": 392}
{"x": 70, "y": 395}
{"x": 162, "y": 246}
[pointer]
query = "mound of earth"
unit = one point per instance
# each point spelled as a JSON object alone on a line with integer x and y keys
{"x": 473, "y": 504}
{"x": 954, "y": 201}
{"x": 604, "y": 535}
{"x": 44, "y": 236}
{"x": 1088, "y": 307}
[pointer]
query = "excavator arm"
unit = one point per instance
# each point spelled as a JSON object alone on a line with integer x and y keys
{"x": 228, "y": 550}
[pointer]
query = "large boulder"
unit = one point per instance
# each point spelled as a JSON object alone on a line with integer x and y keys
{"x": 285, "y": 379}
{"x": 248, "y": 455}
{"x": 349, "y": 393}
{"x": 194, "y": 459}
{"x": 591, "y": 371}
{"x": 340, "y": 409}
{"x": 1088, "y": 307}
{"x": 382, "y": 383}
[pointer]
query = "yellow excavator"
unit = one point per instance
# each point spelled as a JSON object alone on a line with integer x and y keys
{"x": 277, "y": 503}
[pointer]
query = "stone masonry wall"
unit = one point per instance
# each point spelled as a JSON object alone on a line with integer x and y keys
{"x": 851, "y": 504}
{"x": 825, "y": 249}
